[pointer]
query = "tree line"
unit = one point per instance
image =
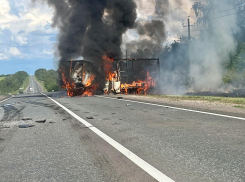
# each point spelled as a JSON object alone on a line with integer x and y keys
{"x": 2, "y": 75}
{"x": 12, "y": 82}
{"x": 50, "y": 78}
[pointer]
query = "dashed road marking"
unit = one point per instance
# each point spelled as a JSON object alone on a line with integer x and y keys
{"x": 177, "y": 108}
{"x": 5, "y": 100}
{"x": 155, "y": 173}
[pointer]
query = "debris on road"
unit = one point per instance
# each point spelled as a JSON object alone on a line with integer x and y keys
{"x": 90, "y": 117}
{"x": 26, "y": 126}
{"x": 41, "y": 121}
{"x": 7, "y": 105}
{"x": 51, "y": 122}
{"x": 119, "y": 97}
{"x": 128, "y": 104}
{"x": 26, "y": 118}
{"x": 3, "y": 127}
{"x": 113, "y": 113}
{"x": 64, "y": 119}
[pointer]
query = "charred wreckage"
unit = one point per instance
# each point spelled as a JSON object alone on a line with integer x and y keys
{"x": 118, "y": 76}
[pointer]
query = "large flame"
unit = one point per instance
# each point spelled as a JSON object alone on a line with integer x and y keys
{"x": 108, "y": 68}
{"x": 88, "y": 88}
{"x": 67, "y": 85}
{"x": 112, "y": 78}
{"x": 139, "y": 86}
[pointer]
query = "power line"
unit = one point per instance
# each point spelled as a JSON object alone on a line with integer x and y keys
{"x": 226, "y": 15}
{"x": 229, "y": 9}
{"x": 173, "y": 29}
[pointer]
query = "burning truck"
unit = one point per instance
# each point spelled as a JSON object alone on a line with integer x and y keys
{"x": 77, "y": 78}
{"x": 126, "y": 76}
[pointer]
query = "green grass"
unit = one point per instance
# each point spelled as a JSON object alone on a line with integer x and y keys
{"x": 24, "y": 85}
{"x": 231, "y": 100}
{"x": 2, "y": 78}
{"x": 41, "y": 84}
{"x": 241, "y": 107}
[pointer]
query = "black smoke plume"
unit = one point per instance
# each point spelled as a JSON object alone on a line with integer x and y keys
{"x": 91, "y": 28}
{"x": 152, "y": 44}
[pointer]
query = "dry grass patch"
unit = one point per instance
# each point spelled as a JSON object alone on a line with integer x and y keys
{"x": 232, "y": 100}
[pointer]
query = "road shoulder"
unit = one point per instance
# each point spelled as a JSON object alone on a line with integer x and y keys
{"x": 3, "y": 97}
{"x": 214, "y": 107}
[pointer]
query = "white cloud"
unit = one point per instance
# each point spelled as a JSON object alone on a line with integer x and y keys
{"x": 25, "y": 30}
{"x": 5, "y": 16}
{"x": 48, "y": 52}
{"x": 4, "y": 6}
{"x": 21, "y": 40}
{"x": 30, "y": 17}
{"x": 3, "y": 56}
{"x": 14, "y": 51}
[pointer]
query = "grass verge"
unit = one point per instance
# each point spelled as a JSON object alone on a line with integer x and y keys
{"x": 231, "y": 100}
{"x": 2, "y": 78}
{"x": 41, "y": 84}
{"x": 24, "y": 86}
{"x": 241, "y": 107}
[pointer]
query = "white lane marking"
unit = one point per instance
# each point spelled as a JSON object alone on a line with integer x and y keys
{"x": 5, "y": 100}
{"x": 177, "y": 108}
{"x": 155, "y": 173}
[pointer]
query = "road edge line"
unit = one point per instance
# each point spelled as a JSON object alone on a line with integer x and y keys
{"x": 5, "y": 100}
{"x": 177, "y": 108}
{"x": 152, "y": 171}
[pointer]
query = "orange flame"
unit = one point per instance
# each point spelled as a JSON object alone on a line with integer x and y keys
{"x": 108, "y": 68}
{"x": 139, "y": 86}
{"x": 70, "y": 86}
{"x": 89, "y": 82}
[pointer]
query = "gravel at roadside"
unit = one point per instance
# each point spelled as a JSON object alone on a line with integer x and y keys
{"x": 194, "y": 104}
{"x": 2, "y": 97}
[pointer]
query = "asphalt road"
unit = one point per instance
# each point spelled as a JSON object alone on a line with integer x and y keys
{"x": 34, "y": 85}
{"x": 185, "y": 146}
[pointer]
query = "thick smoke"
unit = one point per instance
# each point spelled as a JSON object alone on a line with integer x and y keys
{"x": 83, "y": 30}
{"x": 162, "y": 8}
{"x": 152, "y": 35}
{"x": 189, "y": 66}
{"x": 92, "y": 28}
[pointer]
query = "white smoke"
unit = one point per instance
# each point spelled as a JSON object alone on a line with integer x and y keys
{"x": 207, "y": 54}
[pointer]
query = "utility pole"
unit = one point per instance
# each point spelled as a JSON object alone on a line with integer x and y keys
{"x": 189, "y": 28}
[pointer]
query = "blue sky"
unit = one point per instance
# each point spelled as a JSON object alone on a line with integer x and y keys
{"x": 27, "y": 40}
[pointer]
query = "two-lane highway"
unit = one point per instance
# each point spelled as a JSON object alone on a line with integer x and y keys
{"x": 33, "y": 87}
{"x": 109, "y": 139}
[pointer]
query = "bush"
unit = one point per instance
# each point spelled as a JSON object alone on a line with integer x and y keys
{"x": 12, "y": 82}
{"x": 49, "y": 77}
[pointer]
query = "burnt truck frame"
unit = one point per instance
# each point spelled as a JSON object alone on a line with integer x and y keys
{"x": 132, "y": 70}
{"x": 126, "y": 71}
{"x": 75, "y": 75}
